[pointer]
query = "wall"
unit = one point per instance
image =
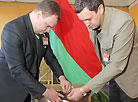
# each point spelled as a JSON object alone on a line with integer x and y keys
{"x": 134, "y": 12}
{"x": 122, "y": 8}
{"x": 11, "y": 10}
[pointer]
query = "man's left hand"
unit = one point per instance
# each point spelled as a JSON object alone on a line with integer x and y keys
{"x": 75, "y": 94}
{"x": 65, "y": 84}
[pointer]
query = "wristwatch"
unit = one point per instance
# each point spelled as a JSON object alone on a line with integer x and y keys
{"x": 83, "y": 92}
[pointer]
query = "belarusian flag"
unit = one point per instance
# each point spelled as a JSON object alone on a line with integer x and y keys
{"x": 73, "y": 48}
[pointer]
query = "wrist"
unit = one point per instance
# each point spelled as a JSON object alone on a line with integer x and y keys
{"x": 44, "y": 93}
{"x": 86, "y": 88}
{"x": 62, "y": 78}
{"x": 83, "y": 93}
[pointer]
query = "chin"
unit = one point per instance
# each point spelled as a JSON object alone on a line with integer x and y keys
{"x": 41, "y": 33}
{"x": 91, "y": 27}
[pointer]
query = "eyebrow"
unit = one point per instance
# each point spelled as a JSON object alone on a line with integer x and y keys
{"x": 87, "y": 19}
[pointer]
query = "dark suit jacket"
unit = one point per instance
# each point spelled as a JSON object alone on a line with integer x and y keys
{"x": 20, "y": 57}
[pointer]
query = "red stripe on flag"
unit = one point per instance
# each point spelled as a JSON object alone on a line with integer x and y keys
{"x": 75, "y": 37}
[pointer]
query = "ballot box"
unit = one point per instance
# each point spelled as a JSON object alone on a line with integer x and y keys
{"x": 58, "y": 88}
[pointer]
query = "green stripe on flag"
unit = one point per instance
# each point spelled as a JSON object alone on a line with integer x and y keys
{"x": 71, "y": 69}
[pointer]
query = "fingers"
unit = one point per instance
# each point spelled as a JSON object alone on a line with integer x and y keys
{"x": 60, "y": 95}
{"x": 70, "y": 94}
{"x": 53, "y": 95}
{"x": 58, "y": 99}
{"x": 67, "y": 88}
{"x": 64, "y": 88}
{"x": 75, "y": 94}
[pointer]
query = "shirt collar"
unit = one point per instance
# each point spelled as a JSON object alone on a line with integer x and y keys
{"x": 37, "y": 36}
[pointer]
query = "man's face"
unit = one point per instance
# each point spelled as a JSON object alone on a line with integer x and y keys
{"x": 44, "y": 24}
{"x": 90, "y": 18}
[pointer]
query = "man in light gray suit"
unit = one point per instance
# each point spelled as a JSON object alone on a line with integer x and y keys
{"x": 115, "y": 38}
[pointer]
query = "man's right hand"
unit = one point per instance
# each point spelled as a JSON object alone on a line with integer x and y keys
{"x": 52, "y": 95}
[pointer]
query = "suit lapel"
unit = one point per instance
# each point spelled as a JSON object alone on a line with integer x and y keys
{"x": 30, "y": 31}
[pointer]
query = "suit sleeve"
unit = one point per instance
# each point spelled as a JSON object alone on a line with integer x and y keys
{"x": 52, "y": 61}
{"x": 121, "y": 51}
{"x": 14, "y": 54}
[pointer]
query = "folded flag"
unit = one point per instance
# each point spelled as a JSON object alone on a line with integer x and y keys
{"x": 73, "y": 48}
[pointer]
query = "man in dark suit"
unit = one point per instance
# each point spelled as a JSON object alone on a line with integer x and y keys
{"x": 24, "y": 44}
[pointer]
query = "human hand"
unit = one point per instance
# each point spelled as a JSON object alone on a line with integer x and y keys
{"x": 65, "y": 84}
{"x": 52, "y": 95}
{"x": 75, "y": 94}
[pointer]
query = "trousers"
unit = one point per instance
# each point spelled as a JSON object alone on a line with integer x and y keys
{"x": 116, "y": 94}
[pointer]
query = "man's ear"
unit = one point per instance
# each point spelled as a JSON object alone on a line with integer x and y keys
{"x": 38, "y": 14}
{"x": 101, "y": 9}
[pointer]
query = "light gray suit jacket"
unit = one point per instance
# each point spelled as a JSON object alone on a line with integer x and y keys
{"x": 119, "y": 40}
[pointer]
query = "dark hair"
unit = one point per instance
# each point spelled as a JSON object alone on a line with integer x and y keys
{"x": 92, "y": 5}
{"x": 48, "y": 8}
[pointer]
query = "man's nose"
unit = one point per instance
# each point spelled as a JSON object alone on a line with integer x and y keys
{"x": 87, "y": 23}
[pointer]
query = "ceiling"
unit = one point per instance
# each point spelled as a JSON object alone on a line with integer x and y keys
{"x": 127, "y": 3}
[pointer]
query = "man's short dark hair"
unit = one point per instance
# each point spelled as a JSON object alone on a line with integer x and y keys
{"x": 48, "y": 8}
{"x": 92, "y": 5}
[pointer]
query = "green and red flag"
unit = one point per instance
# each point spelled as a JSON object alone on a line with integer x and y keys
{"x": 73, "y": 48}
